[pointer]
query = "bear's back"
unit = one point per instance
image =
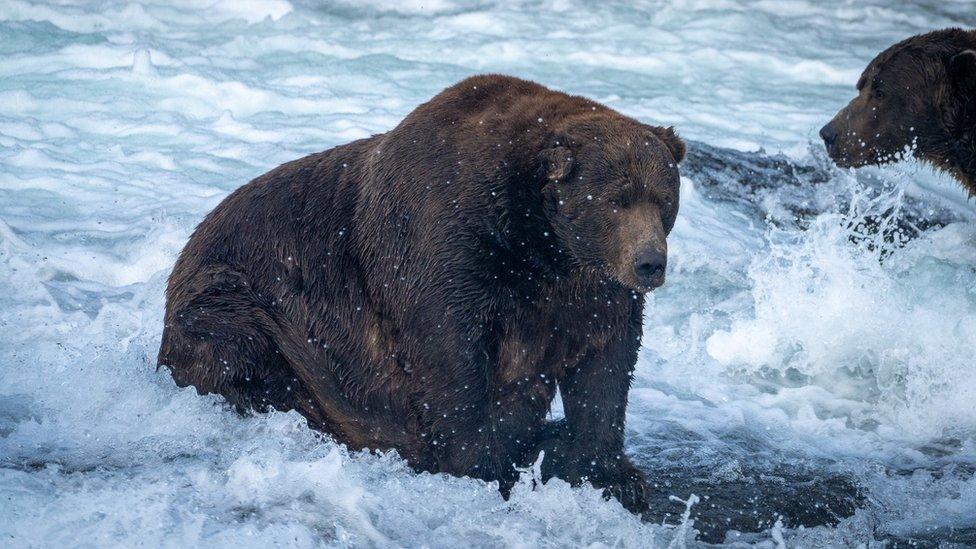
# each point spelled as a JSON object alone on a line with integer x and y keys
{"x": 265, "y": 224}
{"x": 490, "y": 98}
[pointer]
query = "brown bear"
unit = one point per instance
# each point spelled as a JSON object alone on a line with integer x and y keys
{"x": 919, "y": 93}
{"x": 428, "y": 289}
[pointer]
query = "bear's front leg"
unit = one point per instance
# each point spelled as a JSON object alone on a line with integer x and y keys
{"x": 588, "y": 446}
{"x": 487, "y": 437}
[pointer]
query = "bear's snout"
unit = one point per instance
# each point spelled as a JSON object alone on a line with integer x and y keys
{"x": 829, "y": 135}
{"x": 841, "y": 143}
{"x": 643, "y": 248}
{"x": 649, "y": 265}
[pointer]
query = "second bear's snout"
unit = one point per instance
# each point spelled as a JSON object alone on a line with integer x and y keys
{"x": 829, "y": 135}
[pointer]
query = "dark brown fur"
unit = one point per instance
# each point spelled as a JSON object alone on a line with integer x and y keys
{"x": 920, "y": 92}
{"x": 427, "y": 289}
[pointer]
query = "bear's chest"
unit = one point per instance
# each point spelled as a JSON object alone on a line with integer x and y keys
{"x": 546, "y": 336}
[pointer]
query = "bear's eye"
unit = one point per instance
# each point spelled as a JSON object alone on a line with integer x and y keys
{"x": 876, "y": 90}
{"x": 618, "y": 203}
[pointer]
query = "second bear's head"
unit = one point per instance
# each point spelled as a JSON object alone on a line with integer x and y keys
{"x": 919, "y": 95}
{"x": 611, "y": 196}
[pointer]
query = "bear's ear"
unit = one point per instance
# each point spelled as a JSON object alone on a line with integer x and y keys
{"x": 556, "y": 163}
{"x": 672, "y": 142}
{"x": 962, "y": 70}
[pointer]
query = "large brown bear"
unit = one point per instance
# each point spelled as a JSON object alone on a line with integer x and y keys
{"x": 918, "y": 93}
{"x": 428, "y": 289}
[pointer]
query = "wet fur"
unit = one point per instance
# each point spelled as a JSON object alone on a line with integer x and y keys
{"x": 410, "y": 291}
{"x": 933, "y": 78}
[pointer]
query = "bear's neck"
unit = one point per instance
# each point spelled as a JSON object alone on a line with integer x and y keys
{"x": 966, "y": 172}
{"x": 961, "y": 160}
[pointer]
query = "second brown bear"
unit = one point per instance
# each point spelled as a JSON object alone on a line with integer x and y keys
{"x": 918, "y": 95}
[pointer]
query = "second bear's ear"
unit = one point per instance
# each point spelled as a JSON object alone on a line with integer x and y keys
{"x": 556, "y": 163}
{"x": 672, "y": 142}
{"x": 962, "y": 70}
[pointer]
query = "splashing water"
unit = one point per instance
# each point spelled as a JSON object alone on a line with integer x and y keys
{"x": 904, "y": 346}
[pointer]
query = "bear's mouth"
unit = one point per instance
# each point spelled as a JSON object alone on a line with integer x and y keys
{"x": 866, "y": 156}
{"x": 842, "y": 159}
{"x": 650, "y": 285}
{"x": 640, "y": 286}
{"x": 849, "y": 151}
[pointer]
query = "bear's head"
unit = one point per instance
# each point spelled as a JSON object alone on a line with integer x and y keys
{"x": 920, "y": 94}
{"x": 611, "y": 196}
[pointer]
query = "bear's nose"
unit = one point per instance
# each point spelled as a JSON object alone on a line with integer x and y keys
{"x": 649, "y": 266}
{"x": 829, "y": 135}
